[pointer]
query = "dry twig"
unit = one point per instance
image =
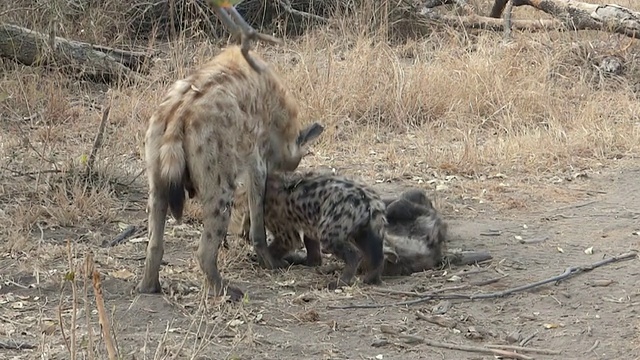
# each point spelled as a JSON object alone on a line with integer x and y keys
{"x": 12, "y": 344}
{"x": 97, "y": 143}
{"x": 238, "y": 27}
{"x": 102, "y": 316}
{"x": 124, "y": 235}
{"x": 476, "y": 349}
{"x": 525, "y": 349}
{"x": 71, "y": 276}
{"x": 286, "y": 5}
{"x": 88, "y": 270}
{"x": 569, "y": 272}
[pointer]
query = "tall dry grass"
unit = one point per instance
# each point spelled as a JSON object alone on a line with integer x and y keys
{"x": 453, "y": 104}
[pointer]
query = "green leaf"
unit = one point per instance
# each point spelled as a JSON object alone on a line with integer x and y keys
{"x": 4, "y": 96}
{"x": 225, "y": 3}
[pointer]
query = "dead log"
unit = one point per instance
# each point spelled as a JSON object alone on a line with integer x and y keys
{"x": 98, "y": 63}
{"x": 425, "y": 17}
{"x": 488, "y": 23}
{"x": 575, "y": 15}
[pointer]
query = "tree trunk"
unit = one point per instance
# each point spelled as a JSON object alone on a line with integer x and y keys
{"x": 100, "y": 63}
{"x": 576, "y": 15}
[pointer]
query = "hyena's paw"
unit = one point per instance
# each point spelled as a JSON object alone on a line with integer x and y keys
{"x": 328, "y": 269}
{"x": 275, "y": 263}
{"x": 234, "y": 293}
{"x": 149, "y": 287}
{"x": 372, "y": 279}
{"x": 296, "y": 258}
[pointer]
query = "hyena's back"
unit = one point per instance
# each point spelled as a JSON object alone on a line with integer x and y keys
{"x": 221, "y": 109}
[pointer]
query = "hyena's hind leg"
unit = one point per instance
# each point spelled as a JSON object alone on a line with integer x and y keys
{"x": 256, "y": 188}
{"x": 158, "y": 204}
{"x": 216, "y": 213}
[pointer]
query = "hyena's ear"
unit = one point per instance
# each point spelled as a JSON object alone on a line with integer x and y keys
{"x": 390, "y": 254}
{"x": 309, "y": 134}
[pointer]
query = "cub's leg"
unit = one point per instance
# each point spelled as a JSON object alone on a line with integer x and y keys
{"x": 312, "y": 258}
{"x": 338, "y": 245}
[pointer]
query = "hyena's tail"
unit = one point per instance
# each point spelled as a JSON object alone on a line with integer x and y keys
{"x": 165, "y": 140}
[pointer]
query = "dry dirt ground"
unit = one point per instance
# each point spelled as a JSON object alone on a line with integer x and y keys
{"x": 590, "y": 316}
{"x": 529, "y": 149}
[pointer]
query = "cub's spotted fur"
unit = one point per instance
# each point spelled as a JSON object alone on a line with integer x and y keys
{"x": 334, "y": 213}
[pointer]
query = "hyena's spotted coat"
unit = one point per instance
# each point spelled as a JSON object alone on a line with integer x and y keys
{"x": 334, "y": 213}
{"x": 414, "y": 233}
{"x": 222, "y": 121}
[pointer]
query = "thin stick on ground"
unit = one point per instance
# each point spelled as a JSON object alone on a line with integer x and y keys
{"x": 74, "y": 298}
{"x": 569, "y": 272}
{"x": 102, "y": 316}
{"x": 438, "y": 291}
{"x": 88, "y": 270}
{"x": 476, "y": 349}
{"x": 12, "y": 344}
{"x": 525, "y": 349}
{"x": 97, "y": 143}
{"x": 507, "y": 21}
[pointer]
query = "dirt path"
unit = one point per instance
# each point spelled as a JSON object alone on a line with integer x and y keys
{"x": 284, "y": 318}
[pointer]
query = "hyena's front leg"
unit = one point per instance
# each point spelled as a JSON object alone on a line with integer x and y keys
{"x": 157, "y": 206}
{"x": 257, "y": 232}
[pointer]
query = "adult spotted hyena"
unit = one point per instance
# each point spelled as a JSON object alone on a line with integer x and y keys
{"x": 335, "y": 214}
{"x": 221, "y": 122}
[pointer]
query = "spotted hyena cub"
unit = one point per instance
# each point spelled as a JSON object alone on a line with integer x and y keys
{"x": 334, "y": 214}
{"x": 223, "y": 122}
{"x": 416, "y": 234}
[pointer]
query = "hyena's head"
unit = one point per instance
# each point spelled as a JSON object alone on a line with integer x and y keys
{"x": 286, "y": 155}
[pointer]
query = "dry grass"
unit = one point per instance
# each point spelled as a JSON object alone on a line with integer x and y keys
{"x": 449, "y": 112}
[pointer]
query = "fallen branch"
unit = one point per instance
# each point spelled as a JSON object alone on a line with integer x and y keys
{"x": 487, "y": 23}
{"x": 576, "y": 15}
{"x": 124, "y": 235}
{"x": 426, "y": 17}
{"x": 286, "y": 5}
{"x": 467, "y": 257}
{"x": 438, "y": 291}
{"x": 412, "y": 339}
{"x": 12, "y": 344}
{"x": 525, "y": 349}
{"x": 35, "y": 49}
{"x": 569, "y": 272}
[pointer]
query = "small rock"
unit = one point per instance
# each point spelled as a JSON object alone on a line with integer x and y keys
{"x": 380, "y": 343}
{"x": 601, "y": 283}
{"x": 441, "y": 308}
{"x": 514, "y": 337}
